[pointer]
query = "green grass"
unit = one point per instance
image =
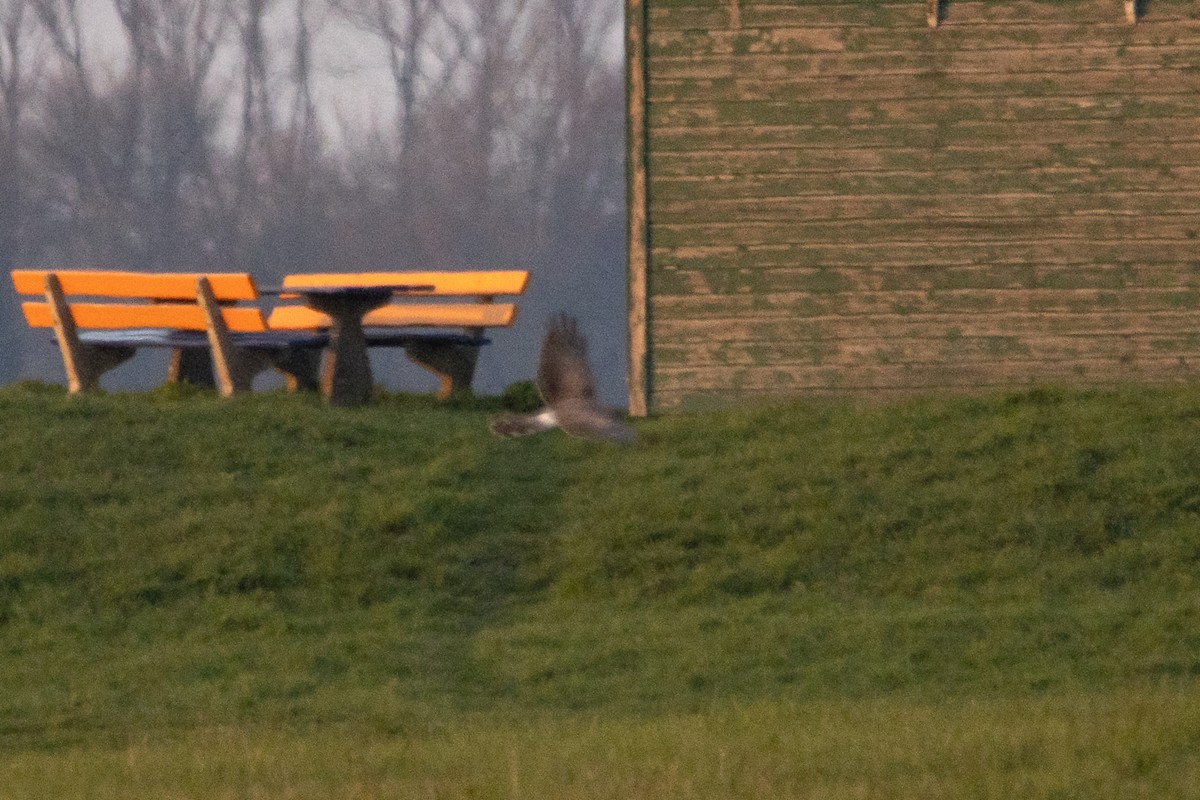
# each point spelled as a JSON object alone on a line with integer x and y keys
{"x": 971, "y": 597}
{"x": 1125, "y": 745}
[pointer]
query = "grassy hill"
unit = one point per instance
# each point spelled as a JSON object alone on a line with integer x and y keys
{"x": 1007, "y": 578}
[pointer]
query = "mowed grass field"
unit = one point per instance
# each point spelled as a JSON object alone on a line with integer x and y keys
{"x": 986, "y": 597}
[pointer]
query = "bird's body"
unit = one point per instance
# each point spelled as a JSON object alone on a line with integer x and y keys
{"x": 513, "y": 425}
{"x": 565, "y": 383}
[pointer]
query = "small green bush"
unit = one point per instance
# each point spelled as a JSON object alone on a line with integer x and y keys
{"x": 521, "y": 397}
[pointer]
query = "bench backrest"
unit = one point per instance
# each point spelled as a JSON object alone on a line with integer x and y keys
{"x": 167, "y": 300}
{"x": 408, "y": 311}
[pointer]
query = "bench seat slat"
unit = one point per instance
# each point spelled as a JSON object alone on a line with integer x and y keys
{"x": 165, "y": 337}
{"x": 395, "y": 338}
{"x": 198, "y": 340}
{"x": 403, "y": 315}
{"x": 158, "y": 315}
{"x": 484, "y": 283}
{"x": 146, "y": 337}
{"x": 160, "y": 286}
{"x": 281, "y": 339}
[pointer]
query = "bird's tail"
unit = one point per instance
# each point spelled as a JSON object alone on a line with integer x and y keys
{"x": 514, "y": 425}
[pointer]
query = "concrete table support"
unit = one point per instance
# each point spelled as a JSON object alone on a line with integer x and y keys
{"x": 346, "y": 378}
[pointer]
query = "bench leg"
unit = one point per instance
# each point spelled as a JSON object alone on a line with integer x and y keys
{"x": 237, "y": 368}
{"x": 240, "y": 366}
{"x": 192, "y": 365}
{"x": 86, "y": 363}
{"x": 301, "y": 368}
{"x": 453, "y": 364}
{"x": 234, "y": 367}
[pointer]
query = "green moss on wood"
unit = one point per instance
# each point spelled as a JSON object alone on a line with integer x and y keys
{"x": 880, "y": 205}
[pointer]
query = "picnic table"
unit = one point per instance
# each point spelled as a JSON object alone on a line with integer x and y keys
{"x": 438, "y": 318}
{"x": 346, "y": 377}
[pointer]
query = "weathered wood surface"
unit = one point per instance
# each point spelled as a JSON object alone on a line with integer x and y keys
{"x": 637, "y": 206}
{"x": 890, "y": 380}
{"x": 845, "y": 200}
{"x": 867, "y": 14}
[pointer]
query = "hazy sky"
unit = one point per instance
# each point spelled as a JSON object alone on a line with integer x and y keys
{"x": 353, "y": 83}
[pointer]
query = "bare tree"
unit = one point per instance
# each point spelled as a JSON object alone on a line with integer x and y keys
{"x": 505, "y": 141}
{"x": 294, "y": 198}
{"x": 257, "y": 112}
{"x": 127, "y": 143}
{"x": 394, "y": 175}
{"x": 68, "y": 144}
{"x": 502, "y": 146}
{"x": 173, "y": 44}
{"x": 61, "y": 20}
{"x": 236, "y": 209}
{"x": 14, "y": 30}
{"x": 572, "y": 133}
{"x": 420, "y": 50}
{"x": 15, "y": 19}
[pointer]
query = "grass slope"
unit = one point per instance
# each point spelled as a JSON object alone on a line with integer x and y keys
{"x": 173, "y": 565}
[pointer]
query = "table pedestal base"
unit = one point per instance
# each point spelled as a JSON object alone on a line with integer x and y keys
{"x": 346, "y": 378}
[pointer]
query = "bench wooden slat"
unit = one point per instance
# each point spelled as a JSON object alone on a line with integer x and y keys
{"x": 105, "y": 316}
{"x": 159, "y": 286}
{"x": 392, "y": 337}
{"x": 147, "y": 337}
{"x": 403, "y": 315}
{"x": 482, "y": 283}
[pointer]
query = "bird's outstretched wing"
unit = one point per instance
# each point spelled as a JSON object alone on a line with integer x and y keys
{"x": 563, "y": 372}
{"x": 565, "y": 382}
{"x": 589, "y": 421}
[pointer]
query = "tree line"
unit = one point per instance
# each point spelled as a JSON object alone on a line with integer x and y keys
{"x": 278, "y": 136}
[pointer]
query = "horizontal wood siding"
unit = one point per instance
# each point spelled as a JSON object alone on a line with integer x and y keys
{"x": 843, "y": 200}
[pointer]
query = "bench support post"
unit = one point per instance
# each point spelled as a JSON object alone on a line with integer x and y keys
{"x": 235, "y": 367}
{"x": 84, "y": 363}
{"x": 301, "y": 367}
{"x": 453, "y": 364}
{"x": 191, "y": 366}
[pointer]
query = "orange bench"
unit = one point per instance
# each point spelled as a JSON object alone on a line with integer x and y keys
{"x": 118, "y": 312}
{"x": 436, "y": 328}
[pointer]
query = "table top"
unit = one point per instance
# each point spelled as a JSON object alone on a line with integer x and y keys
{"x": 346, "y": 291}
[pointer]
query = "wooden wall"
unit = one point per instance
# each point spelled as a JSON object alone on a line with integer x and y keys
{"x": 840, "y": 199}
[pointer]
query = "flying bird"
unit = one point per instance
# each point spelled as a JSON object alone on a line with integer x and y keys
{"x": 564, "y": 380}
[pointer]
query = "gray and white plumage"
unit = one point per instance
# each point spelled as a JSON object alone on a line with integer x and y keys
{"x": 568, "y": 390}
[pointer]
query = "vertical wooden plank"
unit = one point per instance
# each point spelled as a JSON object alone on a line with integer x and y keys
{"x": 637, "y": 174}
{"x": 79, "y": 376}
{"x": 231, "y": 378}
{"x": 84, "y": 363}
